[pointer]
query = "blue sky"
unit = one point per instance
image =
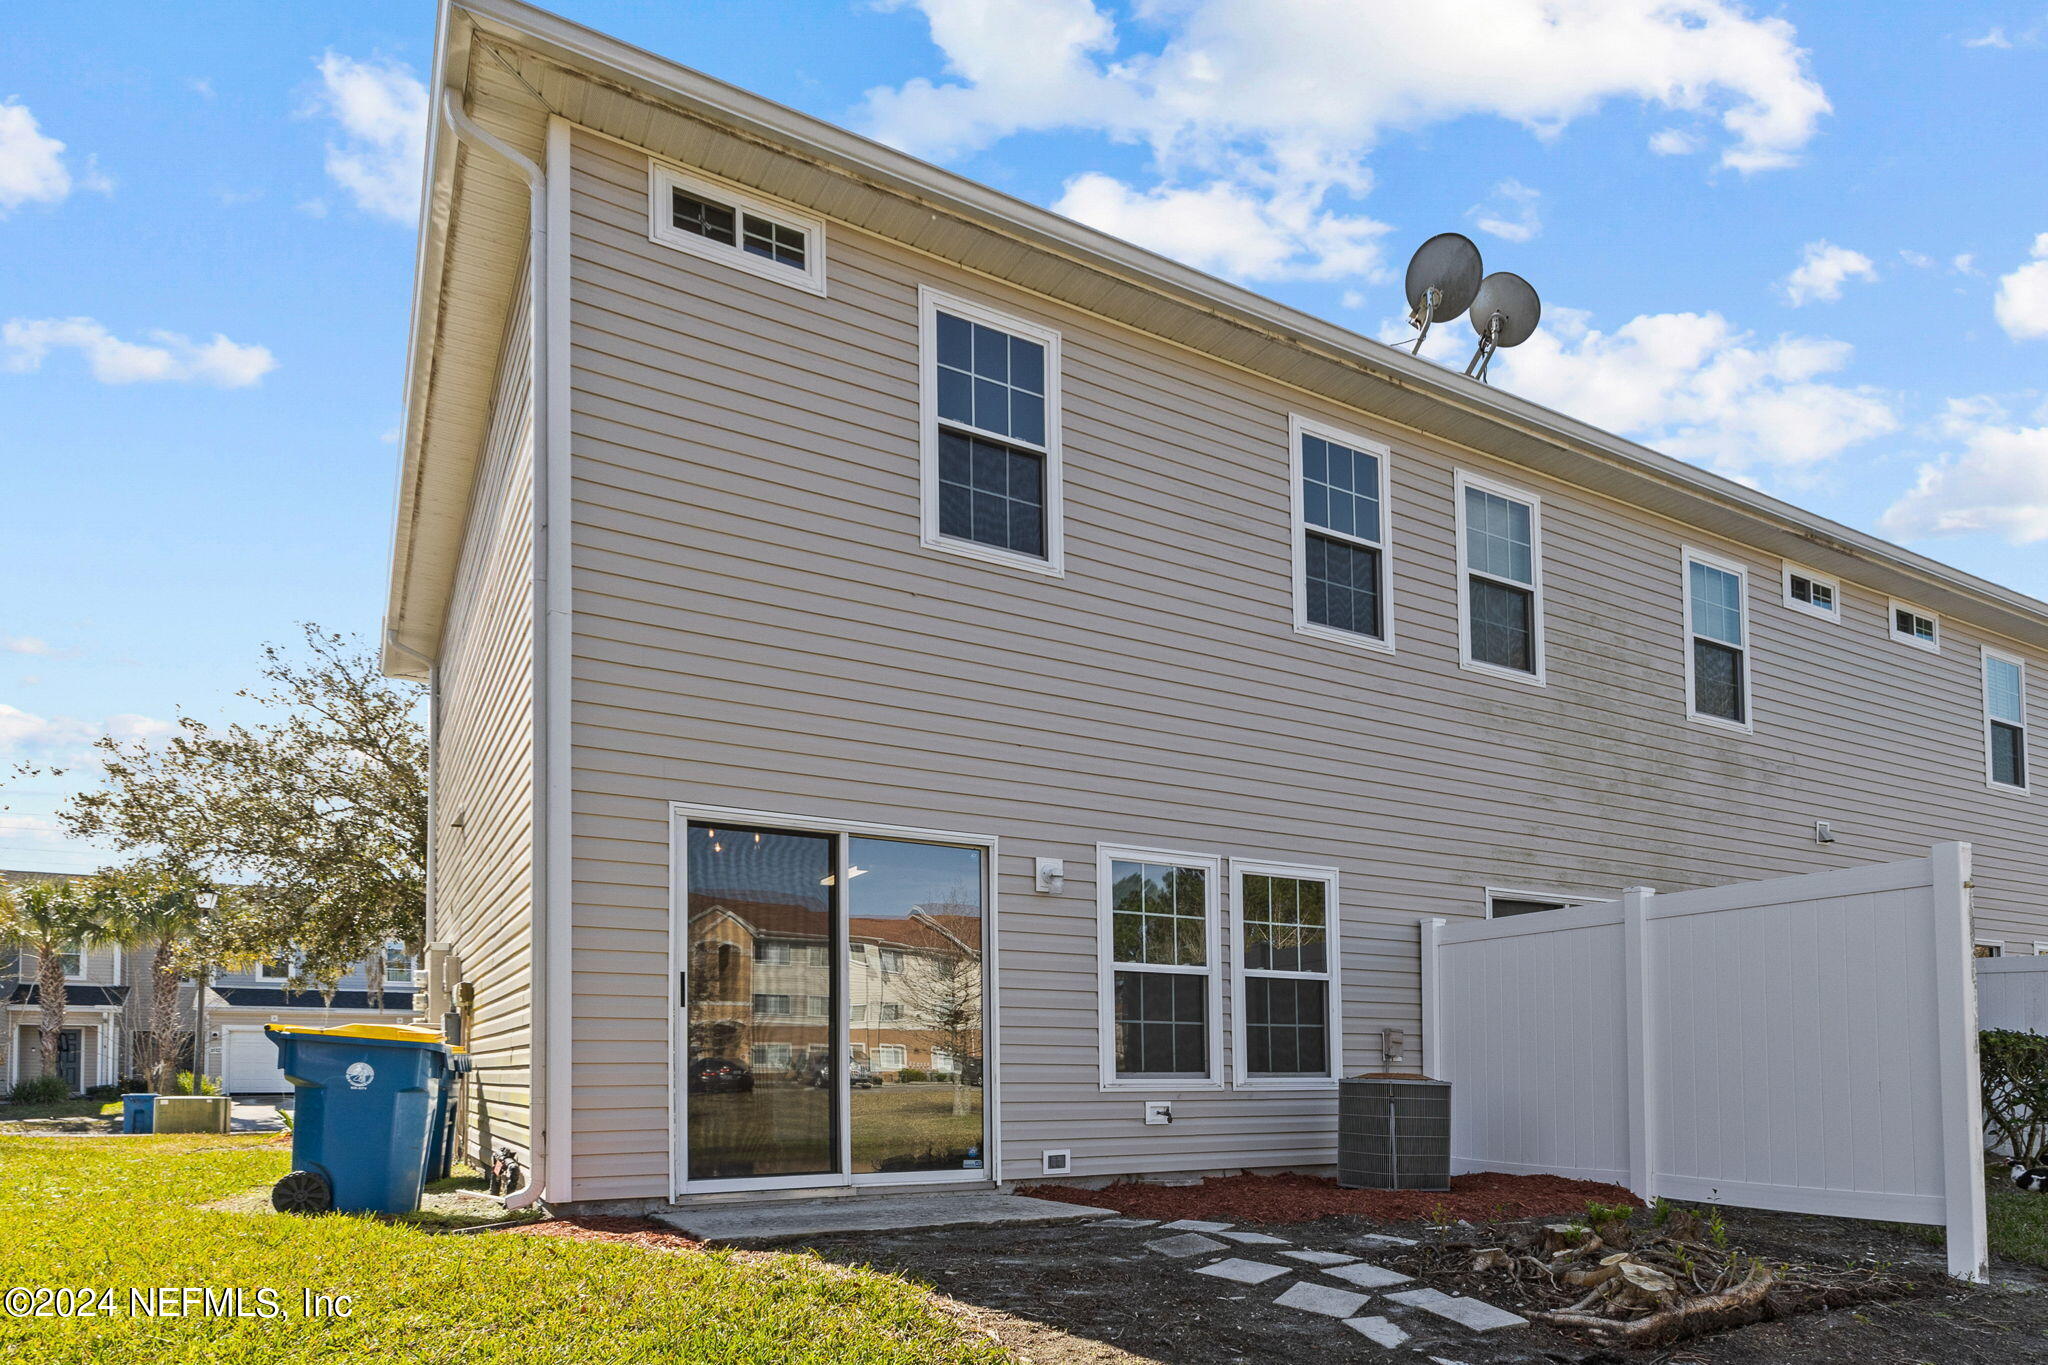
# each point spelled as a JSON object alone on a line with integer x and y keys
{"x": 1806, "y": 246}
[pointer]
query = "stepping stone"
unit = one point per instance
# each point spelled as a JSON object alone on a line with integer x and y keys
{"x": 1320, "y": 1257}
{"x": 1444, "y": 1360}
{"x": 1257, "y": 1238}
{"x": 1367, "y": 1275}
{"x": 1194, "y": 1225}
{"x": 1243, "y": 1272}
{"x": 1378, "y": 1331}
{"x": 1476, "y": 1314}
{"x": 1382, "y": 1239}
{"x": 1126, "y": 1222}
{"x": 1320, "y": 1298}
{"x": 1186, "y": 1244}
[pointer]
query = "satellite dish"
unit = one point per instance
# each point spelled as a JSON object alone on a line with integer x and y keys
{"x": 1443, "y": 275}
{"x": 1504, "y": 313}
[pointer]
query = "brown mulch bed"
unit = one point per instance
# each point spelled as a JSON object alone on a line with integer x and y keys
{"x": 1484, "y": 1196}
{"x": 644, "y": 1233}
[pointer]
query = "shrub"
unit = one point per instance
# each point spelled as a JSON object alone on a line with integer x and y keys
{"x": 103, "y": 1093}
{"x": 41, "y": 1090}
{"x": 910, "y": 1073}
{"x": 2015, "y": 1072}
{"x": 189, "y": 1084}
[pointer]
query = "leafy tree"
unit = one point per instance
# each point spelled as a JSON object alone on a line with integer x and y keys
{"x": 2014, "y": 1068}
{"x": 311, "y": 822}
{"x": 52, "y": 916}
{"x": 153, "y": 911}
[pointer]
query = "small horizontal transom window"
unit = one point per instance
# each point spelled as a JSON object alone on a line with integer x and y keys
{"x": 721, "y": 223}
{"x": 1914, "y": 627}
{"x": 1813, "y": 593}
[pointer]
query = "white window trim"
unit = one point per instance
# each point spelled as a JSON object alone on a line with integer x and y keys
{"x": 1297, "y": 427}
{"x": 412, "y": 966}
{"x": 1747, "y": 725}
{"x": 1106, "y": 964}
{"x": 1891, "y": 625}
{"x": 1521, "y": 893}
{"x": 261, "y": 972}
{"x": 929, "y": 303}
{"x": 1983, "y": 942}
{"x": 1812, "y": 576}
{"x": 1240, "y": 1022}
{"x": 2025, "y": 787}
{"x": 1534, "y": 587}
{"x": 663, "y": 177}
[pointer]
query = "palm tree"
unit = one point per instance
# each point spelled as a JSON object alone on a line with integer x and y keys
{"x": 154, "y": 912}
{"x": 52, "y": 917}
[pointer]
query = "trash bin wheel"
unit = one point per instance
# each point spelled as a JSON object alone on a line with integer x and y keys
{"x": 302, "y": 1192}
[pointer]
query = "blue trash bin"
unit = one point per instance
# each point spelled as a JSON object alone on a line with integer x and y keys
{"x": 368, "y": 1102}
{"x": 138, "y": 1113}
{"x": 441, "y": 1149}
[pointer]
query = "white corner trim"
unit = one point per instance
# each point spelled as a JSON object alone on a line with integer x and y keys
{"x": 665, "y": 176}
{"x": 1299, "y": 426}
{"x": 1212, "y": 866}
{"x": 1539, "y": 677}
{"x": 1332, "y": 976}
{"x": 929, "y": 303}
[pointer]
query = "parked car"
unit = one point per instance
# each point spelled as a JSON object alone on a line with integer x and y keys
{"x": 720, "y": 1075}
{"x": 859, "y": 1075}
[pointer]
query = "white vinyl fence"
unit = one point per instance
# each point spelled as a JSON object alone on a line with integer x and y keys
{"x": 1807, "y": 1044}
{"x": 2012, "y": 992}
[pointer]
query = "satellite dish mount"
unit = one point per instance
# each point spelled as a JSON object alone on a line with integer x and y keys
{"x": 1443, "y": 276}
{"x": 1504, "y": 313}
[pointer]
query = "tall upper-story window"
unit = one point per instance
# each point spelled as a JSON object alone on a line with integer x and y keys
{"x": 2005, "y": 720}
{"x": 991, "y": 435}
{"x": 1717, "y": 640}
{"x": 1342, "y": 521}
{"x": 1500, "y": 552}
{"x": 722, "y": 222}
{"x": 1159, "y": 971}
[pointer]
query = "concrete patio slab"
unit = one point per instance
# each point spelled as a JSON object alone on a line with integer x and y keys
{"x": 1253, "y": 1238}
{"x": 1193, "y": 1225}
{"x": 1186, "y": 1244}
{"x": 1128, "y": 1223}
{"x": 1378, "y": 1331}
{"x": 1242, "y": 1272}
{"x": 1320, "y": 1257}
{"x": 1476, "y": 1314}
{"x": 1320, "y": 1298}
{"x": 763, "y": 1224}
{"x": 1367, "y": 1275}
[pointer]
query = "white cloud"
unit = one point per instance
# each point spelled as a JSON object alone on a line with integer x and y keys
{"x": 1919, "y": 260}
{"x": 382, "y": 109}
{"x": 1995, "y": 481}
{"x": 1964, "y": 264}
{"x": 1822, "y": 271}
{"x": 1511, "y": 214}
{"x": 201, "y": 86}
{"x": 167, "y": 357}
{"x": 2022, "y": 302}
{"x": 1673, "y": 142}
{"x": 32, "y": 168}
{"x": 1995, "y": 38}
{"x": 26, "y": 644}
{"x": 59, "y": 738}
{"x": 1232, "y": 229}
{"x": 1694, "y": 386}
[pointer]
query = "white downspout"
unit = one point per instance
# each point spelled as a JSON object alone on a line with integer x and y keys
{"x": 549, "y": 940}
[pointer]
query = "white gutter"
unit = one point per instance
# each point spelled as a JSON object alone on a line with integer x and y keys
{"x": 547, "y": 264}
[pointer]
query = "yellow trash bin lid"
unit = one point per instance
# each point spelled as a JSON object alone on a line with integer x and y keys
{"x": 401, "y": 1033}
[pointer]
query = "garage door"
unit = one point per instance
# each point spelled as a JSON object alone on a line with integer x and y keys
{"x": 250, "y": 1064}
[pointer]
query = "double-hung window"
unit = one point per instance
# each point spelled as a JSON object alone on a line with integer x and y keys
{"x": 1160, "y": 990}
{"x": 1717, "y": 670}
{"x": 722, "y": 222}
{"x": 1500, "y": 549}
{"x": 1287, "y": 1015}
{"x": 1341, "y": 530}
{"x": 1912, "y": 626}
{"x": 1813, "y": 593}
{"x": 2005, "y": 720}
{"x": 397, "y": 965}
{"x": 991, "y": 398}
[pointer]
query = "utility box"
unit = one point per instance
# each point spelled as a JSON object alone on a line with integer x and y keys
{"x": 1393, "y": 1133}
{"x": 192, "y": 1114}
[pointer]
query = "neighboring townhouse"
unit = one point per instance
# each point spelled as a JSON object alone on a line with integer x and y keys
{"x": 800, "y": 538}
{"x": 241, "y": 1002}
{"x": 97, "y": 1041}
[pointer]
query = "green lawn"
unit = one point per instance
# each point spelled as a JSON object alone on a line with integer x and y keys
{"x": 122, "y": 1213}
{"x": 38, "y": 1114}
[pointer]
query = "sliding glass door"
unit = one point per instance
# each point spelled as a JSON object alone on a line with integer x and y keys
{"x": 831, "y": 988}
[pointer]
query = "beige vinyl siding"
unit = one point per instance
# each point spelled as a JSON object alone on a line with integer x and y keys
{"x": 757, "y": 626}
{"x": 484, "y": 760}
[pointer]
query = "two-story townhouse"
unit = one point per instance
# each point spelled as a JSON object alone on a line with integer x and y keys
{"x": 97, "y": 1042}
{"x": 241, "y": 1001}
{"x": 787, "y": 523}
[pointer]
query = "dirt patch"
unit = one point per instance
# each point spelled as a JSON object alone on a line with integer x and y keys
{"x": 644, "y": 1233}
{"x": 1485, "y": 1197}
